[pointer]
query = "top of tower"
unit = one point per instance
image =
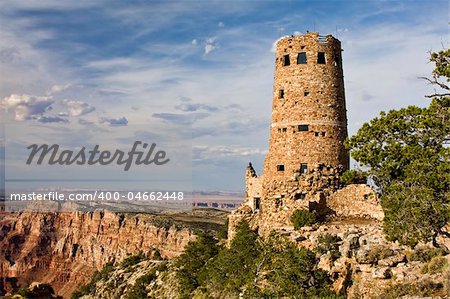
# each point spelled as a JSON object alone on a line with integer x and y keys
{"x": 309, "y": 36}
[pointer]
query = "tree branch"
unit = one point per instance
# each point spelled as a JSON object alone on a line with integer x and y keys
{"x": 438, "y": 95}
{"x": 436, "y": 82}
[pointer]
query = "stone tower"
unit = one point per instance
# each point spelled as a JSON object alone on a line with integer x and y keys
{"x": 306, "y": 155}
{"x": 309, "y": 122}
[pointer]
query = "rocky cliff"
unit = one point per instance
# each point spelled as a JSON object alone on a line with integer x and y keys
{"x": 65, "y": 249}
{"x": 361, "y": 263}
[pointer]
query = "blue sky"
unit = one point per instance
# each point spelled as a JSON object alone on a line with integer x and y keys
{"x": 207, "y": 65}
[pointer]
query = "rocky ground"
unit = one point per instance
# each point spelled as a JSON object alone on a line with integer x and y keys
{"x": 363, "y": 264}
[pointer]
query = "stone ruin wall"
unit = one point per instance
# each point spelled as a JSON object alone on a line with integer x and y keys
{"x": 253, "y": 188}
{"x": 303, "y": 191}
{"x": 355, "y": 201}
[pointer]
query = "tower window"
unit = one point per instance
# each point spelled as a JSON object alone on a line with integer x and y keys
{"x": 323, "y": 134}
{"x": 286, "y": 60}
{"x": 303, "y": 128}
{"x": 284, "y": 130}
{"x": 336, "y": 59}
{"x": 281, "y": 94}
{"x": 321, "y": 58}
{"x": 257, "y": 202}
{"x": 303, "y": 168}
{"x": 301, "y": 58}
{"x": 316, "y": 134}
{"x": 300, "y": 196}
{"x": 280, "y": 167}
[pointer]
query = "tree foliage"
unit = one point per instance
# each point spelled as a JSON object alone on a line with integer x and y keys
{"x": 254, "y": 268}
{"x": 193, "y": 259}
{"x": 408, "y": 155}
{"x": 301, "y": 218}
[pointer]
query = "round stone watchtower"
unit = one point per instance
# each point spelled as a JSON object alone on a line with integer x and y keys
{"x": 309, "y": 122}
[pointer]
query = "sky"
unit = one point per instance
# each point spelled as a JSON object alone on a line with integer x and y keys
{"x": 203, "y": 65}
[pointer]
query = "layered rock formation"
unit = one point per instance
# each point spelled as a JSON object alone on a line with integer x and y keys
{"x": 65, "y": 249}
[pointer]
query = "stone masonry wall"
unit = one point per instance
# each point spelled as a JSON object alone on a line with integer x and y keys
{"x": 303, "y": 191}
{"x": 356, "y": 201}
{"x": 253, "y": 183}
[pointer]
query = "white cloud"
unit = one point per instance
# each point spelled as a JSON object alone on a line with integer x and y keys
{"x": 221, "y": 24}
{"x": 26, "y": 106}
{"x": 210, "y": 44}
{"x": 77, "y": 108}
{"x": 51, "y": 119}
{"x": 120, "y": 121}
{"x": 83, "y": 121}
{"x": 58, "y": 88}
{"x": 194, "y": 42}
{"x": 190, "y": 107}
{"x": 203, "y": 152}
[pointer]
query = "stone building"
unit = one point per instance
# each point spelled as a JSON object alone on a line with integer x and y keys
{"x": 309, "y": 126}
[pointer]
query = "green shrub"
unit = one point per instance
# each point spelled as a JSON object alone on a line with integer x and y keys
{"x": 424, "y": 254}
{"x": 291, "y": 272}
{"x": 157, "y": 255}
{"x": 329, "y": 243}
{"x": 377, "y": 253}
{"x": 138, "y": 290}
{"x": 353, "y": 177}
{"x": 132, "y": 260}
{"x": 233, "y": 267}
{"x": 90, "y": 287}
{"x": 193, "y": 259}
{"x": 223, "y": 231}
{"x": 24, "y": 292}
{"x": 251, "y": 267}
{"x": 422, "y": 289}
{"x": 437, "y": 265}
{"x": 301, "y": 218}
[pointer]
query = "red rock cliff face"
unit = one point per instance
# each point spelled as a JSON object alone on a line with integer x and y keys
{"x": 65, "y": 249}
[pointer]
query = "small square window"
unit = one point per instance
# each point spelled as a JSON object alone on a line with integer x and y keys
{"x": 316, "y": 134}
{"x": 284, "y": 129}
{"x": 321, "y": 58}
{"x": 300, "y": 196}
{"x": 303, "y": 168}
{"x": 280, "y": 167}
{"x": 301, "y": 58}
{"x": 286, "y": 60}
{"x": 323, "y": 134}
{"x": 281, "y": 94}
{"x": 336, "y": 59}
{"x": 306, "y": 93}
{"x": 303, "y": 128}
